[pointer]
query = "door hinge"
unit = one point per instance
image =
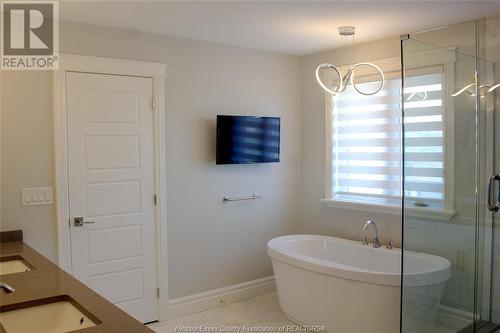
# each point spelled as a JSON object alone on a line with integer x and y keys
{"x": 155, "y": 199}
{"x": 158, "y": 292}
{"x": 153, "y": 103}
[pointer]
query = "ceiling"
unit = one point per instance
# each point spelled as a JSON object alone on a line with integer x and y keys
{"x": 294, "y": 27}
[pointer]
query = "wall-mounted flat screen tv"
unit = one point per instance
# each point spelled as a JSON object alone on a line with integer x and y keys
{"x": 246, "y": 139}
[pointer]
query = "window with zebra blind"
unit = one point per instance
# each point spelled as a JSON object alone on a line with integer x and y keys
{"x": 365, "y": 142}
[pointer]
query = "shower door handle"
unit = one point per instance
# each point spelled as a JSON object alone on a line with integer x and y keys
{"x": 493, "y": 203}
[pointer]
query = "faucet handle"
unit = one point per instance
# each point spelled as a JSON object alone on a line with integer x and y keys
{"x": 365, "y": 240}
{"x": 390, "y": 244}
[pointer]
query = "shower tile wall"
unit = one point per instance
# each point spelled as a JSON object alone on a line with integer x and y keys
{"x": 448, "y": 239}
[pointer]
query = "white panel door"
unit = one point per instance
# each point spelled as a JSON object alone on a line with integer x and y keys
{"x": 111, "y": 185}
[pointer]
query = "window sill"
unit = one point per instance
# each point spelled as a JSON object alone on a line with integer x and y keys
{"x": 412, "y": 212}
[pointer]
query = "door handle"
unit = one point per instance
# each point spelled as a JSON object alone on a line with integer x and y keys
{"x": 493, "y": 203}
{"x": 79, "y": 222}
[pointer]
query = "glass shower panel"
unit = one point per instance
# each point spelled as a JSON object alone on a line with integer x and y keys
{"x": 492, "y": 52}
{"x": 441, "y": 169}
{"x": 485, "y": 219}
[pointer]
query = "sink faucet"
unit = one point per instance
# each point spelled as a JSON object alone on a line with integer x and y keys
{"x": 6, "y": 288}
{"x": 376, "y": 242}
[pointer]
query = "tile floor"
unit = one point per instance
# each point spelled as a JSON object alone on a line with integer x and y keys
{"x": 258, "y": 312}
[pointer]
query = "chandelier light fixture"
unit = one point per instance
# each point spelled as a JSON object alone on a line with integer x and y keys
{"x": 340, "y": 84}
{"x": 470, "y": 90}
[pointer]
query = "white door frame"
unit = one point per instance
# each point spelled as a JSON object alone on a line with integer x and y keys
{"x": 86, "y": 64}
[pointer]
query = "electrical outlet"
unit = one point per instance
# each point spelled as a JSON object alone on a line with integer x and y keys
{"x": 37, "y": 196}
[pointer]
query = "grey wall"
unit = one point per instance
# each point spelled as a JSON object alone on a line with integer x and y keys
{"x": 210, "y": 244}
{"x": 27, "y": 155}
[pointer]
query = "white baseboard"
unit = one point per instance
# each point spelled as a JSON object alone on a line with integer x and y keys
{"x": 453, "y": 318}
{"x": 186, "y": 305}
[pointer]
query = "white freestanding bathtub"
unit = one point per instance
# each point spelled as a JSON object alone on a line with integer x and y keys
{"x": 353, "y": 288}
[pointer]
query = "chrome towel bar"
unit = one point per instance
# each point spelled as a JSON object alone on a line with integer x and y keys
{"x": 247, "y": 197}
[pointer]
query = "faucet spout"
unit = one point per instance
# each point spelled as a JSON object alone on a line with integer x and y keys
{"x": 6, "y": 288}
{"x": 376, "y": 241}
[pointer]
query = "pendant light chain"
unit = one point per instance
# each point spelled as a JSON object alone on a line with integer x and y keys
{"x": 353, "y": 55}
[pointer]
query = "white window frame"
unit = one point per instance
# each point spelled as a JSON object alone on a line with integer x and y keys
{"x": 445, "y": 58}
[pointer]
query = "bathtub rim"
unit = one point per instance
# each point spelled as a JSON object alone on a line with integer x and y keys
{"x": 440, "y": 273}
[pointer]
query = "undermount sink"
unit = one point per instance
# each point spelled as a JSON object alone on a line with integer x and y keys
{"x": 14, "y": 264}
{"x": 53, "y": 317}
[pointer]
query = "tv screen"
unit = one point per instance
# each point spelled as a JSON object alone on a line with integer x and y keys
{"x": 245, "y": 139}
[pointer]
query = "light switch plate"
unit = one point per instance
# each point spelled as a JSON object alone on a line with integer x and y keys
{"x": 37, "y": 196}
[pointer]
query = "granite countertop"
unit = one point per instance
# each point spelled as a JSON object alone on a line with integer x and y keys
{"x": 47, "y": 280}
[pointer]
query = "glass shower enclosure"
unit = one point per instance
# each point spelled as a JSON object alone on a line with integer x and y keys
{"x": 451, "y": 157}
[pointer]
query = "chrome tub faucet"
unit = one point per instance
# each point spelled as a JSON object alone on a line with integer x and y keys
{"x": 376, "y": 241}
